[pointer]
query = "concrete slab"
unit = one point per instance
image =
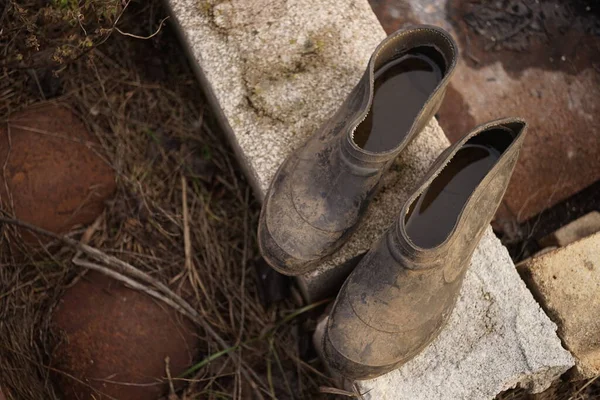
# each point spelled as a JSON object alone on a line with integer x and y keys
{"x": 497, "y": 338}
{"x": 567, "y": 282}
{"x": 265, "y": 63}
{"x": 274, "y": 70}
{"x": 536, "y": 61}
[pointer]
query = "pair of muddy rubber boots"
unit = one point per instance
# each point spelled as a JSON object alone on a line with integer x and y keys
{"x": 402, "y": 292}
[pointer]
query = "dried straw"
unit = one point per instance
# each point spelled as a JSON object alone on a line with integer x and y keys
{"x": 180, "y": 227}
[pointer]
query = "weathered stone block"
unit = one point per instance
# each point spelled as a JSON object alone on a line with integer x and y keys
{"x": 573, "y": 231}
{"x": 566, "y": 282}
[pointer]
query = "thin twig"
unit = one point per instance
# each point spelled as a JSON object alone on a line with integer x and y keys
{"x": 133, "y": 284}
{"x": 37, "y": 82}
{"x": 169, "y": 378}
{"x": 508, "y": 35}
{"x": 143, "y": 37}
{"x": 340, "y": 392}
{"x": 187, "y": 243}
{"x": 244, "y": 266}
{"x": 79, "y": 381}
{"x": 574, "y": 396}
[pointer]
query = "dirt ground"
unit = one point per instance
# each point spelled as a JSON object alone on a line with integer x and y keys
{"x": 118, "y": 66}
{"x": 539, "y": 60}
{"x": 522, "y": 34}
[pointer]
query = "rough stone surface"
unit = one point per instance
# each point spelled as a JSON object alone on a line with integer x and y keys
{"x": 116, "y": 340}
{"x": 567, "y": 282}
{"x": 497, "y": 338}
{"x": 268, "y": 61}
{"x": 54, "y": 177}
{"x": 553, "y": 84}
{"x": 572, "y": 232}
{"x": 274, "y": 71}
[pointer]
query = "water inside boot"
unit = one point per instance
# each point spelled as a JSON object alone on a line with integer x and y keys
{"x": 402, "y": 87}
{"x": 435, "y": 212}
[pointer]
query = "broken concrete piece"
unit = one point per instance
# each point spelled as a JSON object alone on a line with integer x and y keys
{"x": 274, "y": 70}
{"x": 573, "y": 231}
{"x": 497, "y": 338}
{"x": 567, "y": 283}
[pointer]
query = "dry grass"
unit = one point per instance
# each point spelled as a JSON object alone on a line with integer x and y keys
{"x": 183, "y": 213}
{"x": 580, "y": 390}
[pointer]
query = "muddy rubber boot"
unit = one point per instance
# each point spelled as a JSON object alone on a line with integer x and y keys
{"x": 322, "y": 189}
{"x": 402, "y": 292}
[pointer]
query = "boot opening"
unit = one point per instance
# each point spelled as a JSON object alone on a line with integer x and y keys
{"x": 433, "y": 215}
{"x": 402, "y": 87}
